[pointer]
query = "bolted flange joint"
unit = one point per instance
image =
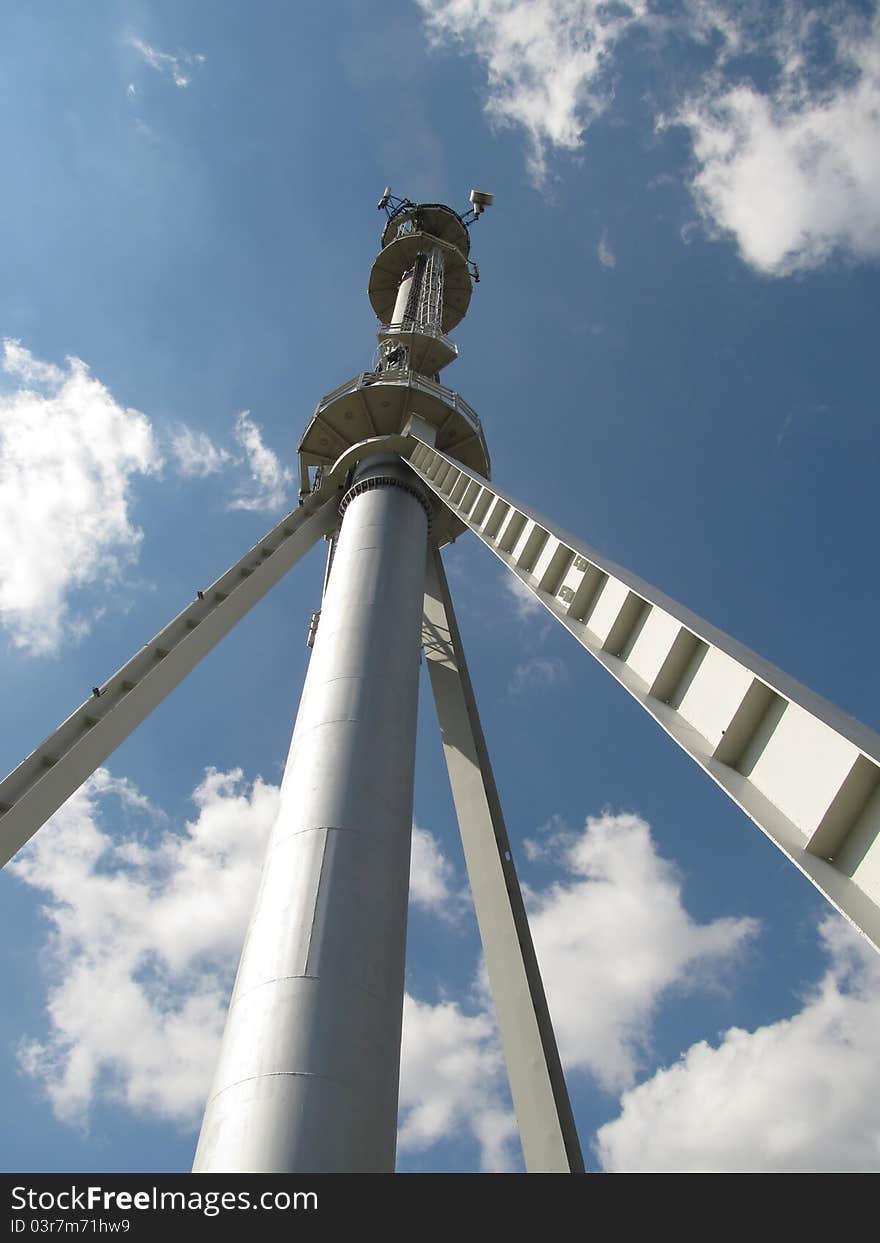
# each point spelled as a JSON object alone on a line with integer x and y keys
{"x": 386, "y": 481}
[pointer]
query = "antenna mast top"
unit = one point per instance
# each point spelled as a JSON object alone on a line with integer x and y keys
{"x": 420, "y": 287}
{"x": 434, "y": 218}
{"x": 414, "y": 229}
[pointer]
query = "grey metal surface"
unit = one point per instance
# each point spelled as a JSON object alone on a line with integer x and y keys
{"x": 307, "y": 1079}
{"x": 43, "y": 781}
{"x": 546, "y": 1126}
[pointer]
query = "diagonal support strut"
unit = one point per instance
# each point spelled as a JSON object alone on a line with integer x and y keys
{"x": 806, "y": 773}
{"x": 59, "y": 766}
{"x": 537, "y": 1083}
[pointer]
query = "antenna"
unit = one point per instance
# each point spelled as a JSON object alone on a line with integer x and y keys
{"x": 481, "y": 200}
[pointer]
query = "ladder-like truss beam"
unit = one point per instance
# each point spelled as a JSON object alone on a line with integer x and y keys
{"x": 806, "y": 773}
{"x": 42, "y": 782}
{"x": 537, "y": 1084}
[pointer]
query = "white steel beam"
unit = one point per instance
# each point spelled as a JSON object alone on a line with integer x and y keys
{"x": 806, "y": 773}
{"x": 537, "y": 1084}
{"x": 42, "y": 782}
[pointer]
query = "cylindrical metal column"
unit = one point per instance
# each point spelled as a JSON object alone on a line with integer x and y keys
{"x": 398, "y": 315}
{"x": 307, "y": 1079}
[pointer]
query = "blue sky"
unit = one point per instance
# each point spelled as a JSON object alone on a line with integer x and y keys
{"x": 672, "y": 349}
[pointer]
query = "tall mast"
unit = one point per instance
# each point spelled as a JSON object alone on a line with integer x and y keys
{"x": 393, "y": 464}
{"x": 307, "y": 1078}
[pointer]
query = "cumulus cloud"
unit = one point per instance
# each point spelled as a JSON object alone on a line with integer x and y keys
{"x": 431, "y": 875}
{"x": 145, "y": 933}
{"x": 792, "y": 173}
{"x": 797, "y": 1095}
{"x": 68, "y": 455}
{"x": 146, "y": 924}
{"x": 787, "y": 164}
{"x": 452, "y": 1081}
{"x": 614, "y": 939}
{"x": 546, "y": 61}
{"x": 146, "y": 921}
{"x": 270, "y": 481}
{"x": 178, "y": 67}
{"x": 195, "y": 454}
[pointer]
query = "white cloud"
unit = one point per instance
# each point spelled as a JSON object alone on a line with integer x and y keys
{"x": 537, "y": 674}
{"x": 614, "y": 938}
{"x": 451, "y": 1082}
{"x": 19, "y": 361}
{"x": 178, "y": 67}
{"x": 431, "y": 875}
{"x": 147, "y": 922}
{"x": 142, "y": 951}
{"x": 798, "y": 1095}
{"x": 789, "y": 167}
{"x": 195, "y": 454}
{"x": 554, "y": 835}
{"x": 270, "y": 480}
{"x": 604, "y": 252}
{"x": 68, "y": 454}
{"x": 525, "y": 603}
{"x": 146, "y": 931}
{"x": 793, "y": 173}
{"x": 545, "y": 60}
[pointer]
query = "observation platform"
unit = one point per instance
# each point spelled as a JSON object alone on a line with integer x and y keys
{"x": 379, "y": 404}
{"x": 428, "y": 351}
{"x": 421, "y": 229}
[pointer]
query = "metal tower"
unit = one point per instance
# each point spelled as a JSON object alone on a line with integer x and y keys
{"x": 393, "y": 465}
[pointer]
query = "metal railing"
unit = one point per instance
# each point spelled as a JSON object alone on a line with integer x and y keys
{"x": 423, "y": 330}
{"x": 405, "y": 379}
